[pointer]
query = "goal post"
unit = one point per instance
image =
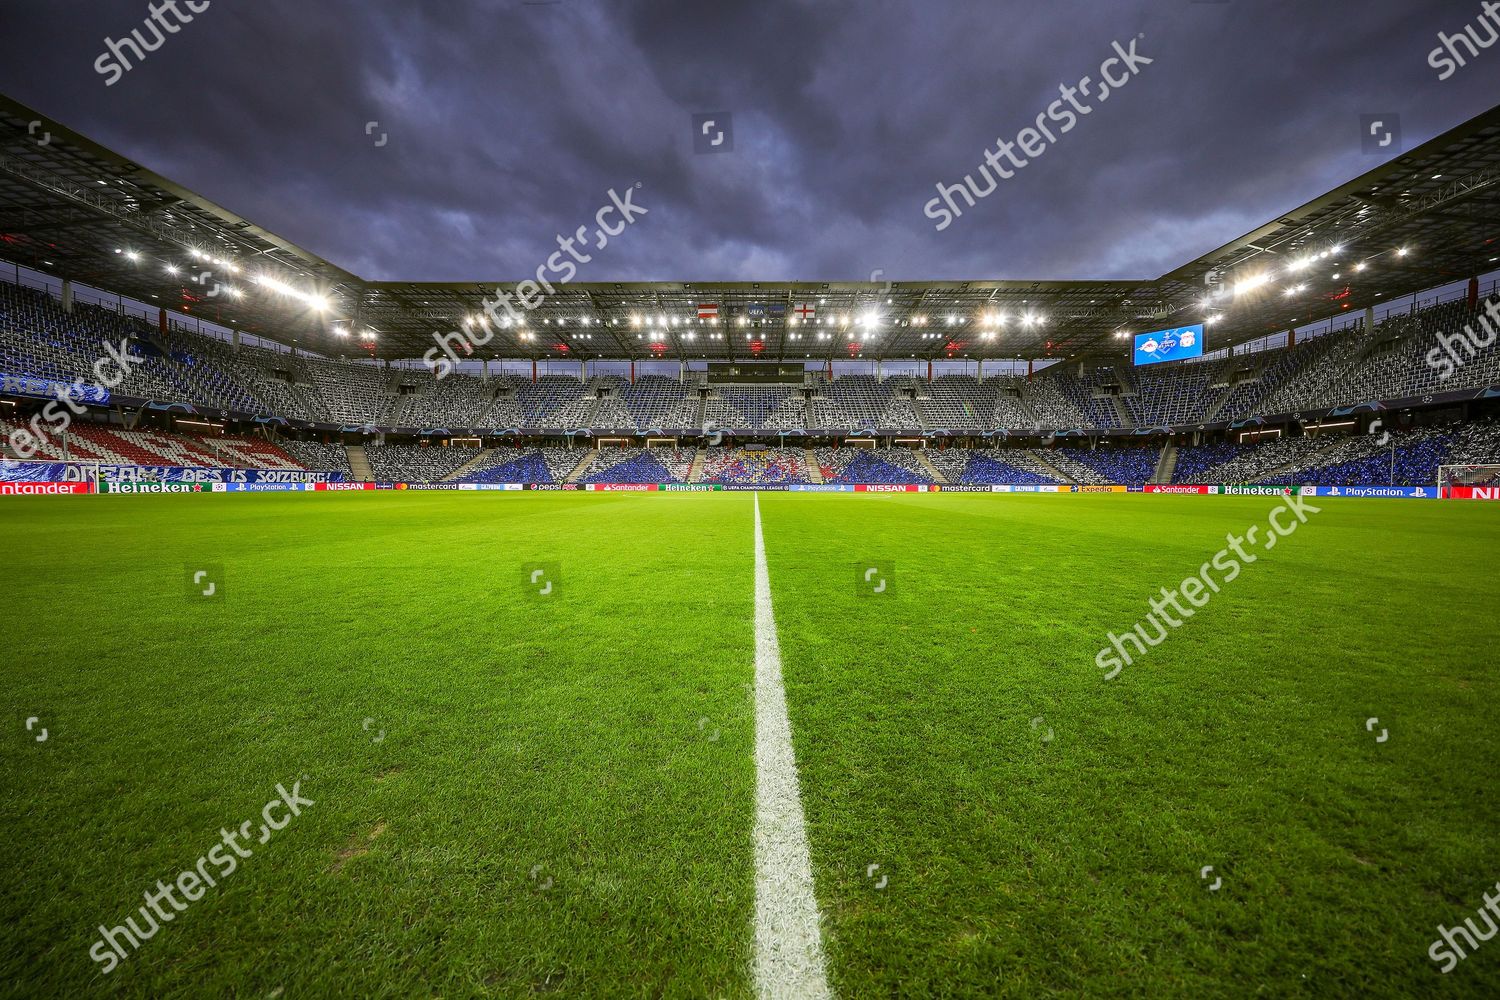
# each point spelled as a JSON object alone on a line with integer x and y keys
{"x": 1455, "y": 480}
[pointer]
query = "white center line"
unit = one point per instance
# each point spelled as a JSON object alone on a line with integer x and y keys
{"x": 788, "y": 937}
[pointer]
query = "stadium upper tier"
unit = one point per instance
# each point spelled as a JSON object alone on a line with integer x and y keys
{"x": 38, "y": 339}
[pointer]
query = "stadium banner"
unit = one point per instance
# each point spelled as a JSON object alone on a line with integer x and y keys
{"x": 754, "y": 487}
{"x": 259, "y": 487}
{"x": 343, "y": 486}
{"x": 1170, "y": 488}
{"x": 11, "y": 488}
{"x": 691, "y": 487}
{"x": 1098, "y": 489}
{"x": 23, "y": 385}
{"x": 39, "y": 472}
{"x": 821, "y": 488}
{"x": 552, "y": 487}
{"x": 622, "y": 487}
{"x": 962, "y": 488}
{"x": 1261, "y": 491}
{"x": 180, "y": 474}
{"x": 108, "y": 487}
{"x": 1378, "y": 492}
{"x": 427, "y": 486}
{"x": 1471, "y": 493}
{"x": 889, "y": 488}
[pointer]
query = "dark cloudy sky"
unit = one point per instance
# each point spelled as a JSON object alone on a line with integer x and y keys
{"x": 508, "y": 121}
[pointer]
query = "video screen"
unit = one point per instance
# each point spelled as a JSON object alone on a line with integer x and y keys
{"x": 1178, "y": 344}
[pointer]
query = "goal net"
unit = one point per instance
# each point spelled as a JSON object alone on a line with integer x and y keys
{"x": 1459, "y": 481}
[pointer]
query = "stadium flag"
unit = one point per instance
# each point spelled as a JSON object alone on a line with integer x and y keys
{"x": 805, "y": 311}
{"x": 708, "y": 310}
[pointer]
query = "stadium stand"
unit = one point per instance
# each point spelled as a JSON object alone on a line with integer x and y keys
{"x": 1194, "y": 461}
{"x": 1124, "y": 466}
{"x": 319, "y": 456}
{"x": 891, "y": 466}
{"x": 1352, "y": 366}
{"x": 656, "y": 401}
{"x": 542, "y": 402}
{"x": 416, "y": 463}
{"x": 750, "y": 466}
{"x": 1013, "y": 467}
{"x": 640, "y": 465}
{"x": 1052, "y": 406}
{"x": 526, "y": 465}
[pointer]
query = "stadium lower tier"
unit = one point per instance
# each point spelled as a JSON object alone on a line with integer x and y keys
{"x": 1402, "y": 458}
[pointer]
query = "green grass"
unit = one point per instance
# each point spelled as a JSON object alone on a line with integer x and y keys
{"x": 1071, "y": 867}
{"x": 606, "y": 734}
{"x": 518, "y": 731}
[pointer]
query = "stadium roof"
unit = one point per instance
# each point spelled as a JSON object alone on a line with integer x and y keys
{"x": 72, "y": 208}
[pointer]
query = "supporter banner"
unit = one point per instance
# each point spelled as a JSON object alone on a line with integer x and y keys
{"x": 40, "y": 472}
{"x": 1471, "y": 493}
{"x": 553, "y": 487}
{"x": 1260, "y": 491}
{"x": 621, "y": 487}
{"x": 1098, "y": 489}
{"x": 18, "y": 489}
{"x": 691, "y": 487}
{"x": 23, "y": 385}
{"x": 1392, "y": 492}
{"x": 1168, "y": 488}
{"x": 108, "y": 487}
{"x": 178, "y": 474}
{"x": 889, "y": 488}
{"x": 821, "y": 488}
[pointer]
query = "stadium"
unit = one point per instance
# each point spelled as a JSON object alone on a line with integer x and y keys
{"x": 752, "y": 637}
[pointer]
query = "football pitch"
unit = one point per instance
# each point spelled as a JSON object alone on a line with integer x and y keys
{"x": 523, "y": 731}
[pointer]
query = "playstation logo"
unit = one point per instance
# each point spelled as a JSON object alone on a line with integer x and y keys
{"x": 713, "y": 132}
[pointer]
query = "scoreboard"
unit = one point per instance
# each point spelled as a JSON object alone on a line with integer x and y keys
{"x": 1177, "y": 344}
